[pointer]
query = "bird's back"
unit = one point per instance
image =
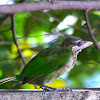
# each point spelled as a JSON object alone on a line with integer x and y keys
{"x": 47, "y": 61}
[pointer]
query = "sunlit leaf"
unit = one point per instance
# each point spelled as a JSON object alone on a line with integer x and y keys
{"x": 27, "y": 53}
{"x": 28, "y": 86}
{"x": 57, "y": 84}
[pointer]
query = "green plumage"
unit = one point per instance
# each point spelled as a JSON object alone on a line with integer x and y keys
{"x": 51, "y": 63}
{"x": 45, "y": 62}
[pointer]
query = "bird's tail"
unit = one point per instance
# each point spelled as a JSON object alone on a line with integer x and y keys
{"x": 6, "y": 80}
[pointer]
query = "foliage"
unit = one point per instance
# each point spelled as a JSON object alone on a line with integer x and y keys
{"x": 41, "y": 32}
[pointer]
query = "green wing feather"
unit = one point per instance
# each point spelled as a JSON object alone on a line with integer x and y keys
{"x": 45, "y": 62}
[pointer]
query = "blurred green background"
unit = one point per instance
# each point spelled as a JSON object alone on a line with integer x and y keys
{"x": 41, "y": 29}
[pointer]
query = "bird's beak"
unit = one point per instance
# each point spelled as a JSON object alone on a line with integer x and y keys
{"x": 87, "y": 44}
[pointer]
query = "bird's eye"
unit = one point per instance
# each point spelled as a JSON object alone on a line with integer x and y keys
{"x": 79, "y": 44}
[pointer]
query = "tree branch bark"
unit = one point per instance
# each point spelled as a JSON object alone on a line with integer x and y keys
{"x": 6, "y": 43}
{"x": 15, "y": 38}
{"x": 90, "y": 30}
{"x": 45, "y": 5}
{"x": 6, "y": 16}
{"x": 34, "y": 94}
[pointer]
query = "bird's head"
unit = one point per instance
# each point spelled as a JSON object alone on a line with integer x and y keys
{"x": 75, "y": 44}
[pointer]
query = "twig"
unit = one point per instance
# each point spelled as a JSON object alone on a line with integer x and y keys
{"x": 6, "y": 16}
{"x": 37, "y": 35}
{"x": 9, "y": 58}
{"x": 5, "y": 43}
{"x": 90, "y": 30}
{"x": 54, "y": 33}
{"x": 59, "y": 21}
{"x": 78, "y": 28}
{"x": 3, "y": 19}
{"x": 38, "y": 19}
{"x": 50, "y": 15}
{"x": 33, "y": 36}
{"x": 15, "y": 38}
{"x": 5, "y": 30}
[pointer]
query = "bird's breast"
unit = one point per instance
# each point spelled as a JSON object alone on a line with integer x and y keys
{"x": 68, "y": 66}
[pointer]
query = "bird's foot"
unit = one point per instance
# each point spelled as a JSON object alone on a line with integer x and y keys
{"x": 65, "y": 89}
{"x": 48, "y": 88}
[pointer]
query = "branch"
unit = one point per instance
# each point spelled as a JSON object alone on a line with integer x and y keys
{"x": 15, "y": 38}
{"x": 50, "y": 15}
{"x": 9, "y": 58}
{"x": 33, "y": 36}
{"x": 90, "y": 30}
{"x": 5, "y": 43}
{"x": 6, "y": 16}
{"x": 3, "y": 19}
{"x": 40, "y": 20}
{"x": 5, "y": 30}
{"x": 45, "y": 5}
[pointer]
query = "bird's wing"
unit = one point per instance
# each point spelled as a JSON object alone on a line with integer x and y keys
{"x": 45, "y": 62}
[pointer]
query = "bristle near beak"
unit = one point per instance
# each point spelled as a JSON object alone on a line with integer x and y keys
{"x": 87, "y": 44}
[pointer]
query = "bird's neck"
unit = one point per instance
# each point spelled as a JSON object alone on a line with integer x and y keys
{"x": 76, "y": 50}
{"x": 72, "y": 61}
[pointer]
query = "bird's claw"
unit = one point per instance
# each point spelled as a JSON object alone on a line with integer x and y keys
{"x": 47, "y": 88}
{"x": 66, "y": 89}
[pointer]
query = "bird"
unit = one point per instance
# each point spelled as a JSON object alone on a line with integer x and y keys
{"x": 50, "y": 63}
